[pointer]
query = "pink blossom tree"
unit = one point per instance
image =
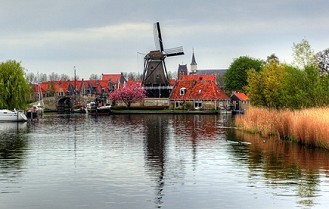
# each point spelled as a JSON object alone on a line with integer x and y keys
{"x": 128, "y": 95}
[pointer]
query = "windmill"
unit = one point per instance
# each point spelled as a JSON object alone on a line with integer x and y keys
{"x": 155, "y": 76}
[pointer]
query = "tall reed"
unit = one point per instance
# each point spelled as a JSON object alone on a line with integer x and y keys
{"x": 307, "y": 126}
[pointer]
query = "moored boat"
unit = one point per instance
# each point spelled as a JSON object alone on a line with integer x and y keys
{"x": 78, "y": 109}
{"x": 35, "y": 111}
{"x": 32, "y": 113}
{"x": 93, "y": 109}
{"x": 12, "y": 116}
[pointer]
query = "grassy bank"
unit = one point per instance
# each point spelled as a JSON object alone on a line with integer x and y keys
{"x": 308, "y": 126}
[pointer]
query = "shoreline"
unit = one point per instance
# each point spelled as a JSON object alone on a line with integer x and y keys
{"x": 162, "y": 111}
{"x": 204, "y": 112}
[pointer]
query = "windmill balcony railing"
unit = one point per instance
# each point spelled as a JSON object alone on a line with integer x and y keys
{"x": 157, "y": 87}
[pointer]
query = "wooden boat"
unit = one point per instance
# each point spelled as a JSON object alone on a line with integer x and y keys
{"x": 12, "y": 116}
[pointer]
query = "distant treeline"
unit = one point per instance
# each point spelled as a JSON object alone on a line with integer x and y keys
{"x": 43, "y": 77}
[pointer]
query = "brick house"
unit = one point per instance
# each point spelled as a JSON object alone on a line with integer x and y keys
{"x": 198, "y": 92}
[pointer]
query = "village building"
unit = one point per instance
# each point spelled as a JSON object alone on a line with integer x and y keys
{"x": 199, "y": 89}
{"x": 108, "y": 83}
{"x": 198, "y": 92}
{"x": 240, "y": 101}
{"x": 116, "y": 81}
{"x": 182, "y": 70}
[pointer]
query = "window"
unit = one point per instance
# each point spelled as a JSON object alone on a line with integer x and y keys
{"x": 197, "y": 104}
{"x": 177, "y": 104}
{"x": 182, "y": 91}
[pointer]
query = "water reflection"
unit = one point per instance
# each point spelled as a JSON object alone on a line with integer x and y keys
{"x": 13, "y": 143}
{"x": 283, "y": 164}
{"x": 156, "y": 133}
{"x": 198, "y": 127}
{"x": 167, "y": 163}
{"x": 154, "y": 161}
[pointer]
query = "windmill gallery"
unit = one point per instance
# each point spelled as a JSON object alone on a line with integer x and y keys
{"x": 197, "y": 90}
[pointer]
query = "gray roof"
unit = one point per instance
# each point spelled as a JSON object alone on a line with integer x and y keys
{"x": 221, "y": 72}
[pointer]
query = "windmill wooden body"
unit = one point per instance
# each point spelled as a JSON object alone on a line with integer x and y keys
{"x": 155, "y": 77}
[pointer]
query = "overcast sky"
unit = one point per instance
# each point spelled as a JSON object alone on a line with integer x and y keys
{"x": 105, "y": 36}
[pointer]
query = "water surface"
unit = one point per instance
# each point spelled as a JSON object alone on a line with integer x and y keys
{"x": 154, "y": 161}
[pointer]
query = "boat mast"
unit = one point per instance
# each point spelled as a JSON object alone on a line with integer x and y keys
{"x": 75, "y": 85}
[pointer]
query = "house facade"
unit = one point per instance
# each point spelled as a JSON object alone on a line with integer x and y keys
{"x": 85, "y": 88}
{"x": 240, "y": 101}
{"x": 198, "y": 92}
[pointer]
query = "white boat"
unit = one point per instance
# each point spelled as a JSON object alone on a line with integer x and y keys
{"x": 12, "y": 116}
{"x": 9, "y": 127}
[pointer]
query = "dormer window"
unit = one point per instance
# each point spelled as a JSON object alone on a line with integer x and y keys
{"x": 182, "y": 91}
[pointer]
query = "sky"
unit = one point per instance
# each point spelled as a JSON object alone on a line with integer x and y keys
{"x": 105, "y": 36}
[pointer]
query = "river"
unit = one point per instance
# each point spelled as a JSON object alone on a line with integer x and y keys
{"x": 154, "y": 161}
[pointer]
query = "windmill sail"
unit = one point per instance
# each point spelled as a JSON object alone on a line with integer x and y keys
{"x": 157, "y": 36}
{"x": 174, "y": 51}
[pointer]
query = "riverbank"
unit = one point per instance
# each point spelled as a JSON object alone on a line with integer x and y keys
{"x": 307, "y": 126}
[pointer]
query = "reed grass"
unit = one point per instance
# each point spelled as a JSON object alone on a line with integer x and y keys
{"x": 306, "y": 126}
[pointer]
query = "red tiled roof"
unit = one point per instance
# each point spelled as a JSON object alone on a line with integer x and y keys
{"x": 197, "y": 88}
{"x": 112, "y": 77}
{"x": 199, "y": 77}
{"x": 132, "y": 82}
{"x": 241, "y": 96}
{"x": 44, "y": 86}
{"x": 172, "y": 82}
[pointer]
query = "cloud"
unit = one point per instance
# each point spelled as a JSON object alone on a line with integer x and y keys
{"x": 55, "y": 35}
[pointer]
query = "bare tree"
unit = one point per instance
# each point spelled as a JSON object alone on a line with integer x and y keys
{"x": 132, "y": 76}
{"x": 64, "y": 77}
{"x": 322, "y": 59}
{"x": 172, "y": 76}
{"x": 94, "y": 77}
{"x": 31, "y": 77}
{"x": 54, "y": 77}
{"x": 42, "y": 77}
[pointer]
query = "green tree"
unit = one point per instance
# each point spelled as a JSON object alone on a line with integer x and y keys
{"x": 255, "y": 88}
{"x": 295, "y": 91}
{"x": 265, "y": 88}
{"x": 316, "y": 87}
{"x": 303, "y": 54}
{"x": 235, "y": 77}
{"x": 14, "y": 87}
